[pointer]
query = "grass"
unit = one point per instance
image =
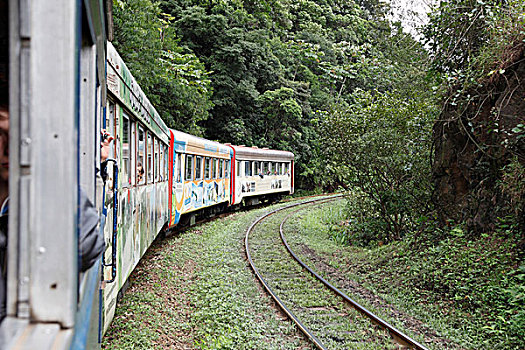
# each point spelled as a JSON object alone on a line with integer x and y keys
{"x": 196, "y": 291}
{"x": 470, "y": 290}
{"x": 202, "y": 296}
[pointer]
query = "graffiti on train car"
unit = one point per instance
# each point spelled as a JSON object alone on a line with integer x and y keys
{"x": 123, "y": 85}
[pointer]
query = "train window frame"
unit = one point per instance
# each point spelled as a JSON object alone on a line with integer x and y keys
{"x": 156, "y": 160}
{"x": 178, "y": 168}
{"x": 221, "y": 168}
{"x": 188, "y": 168}
{"x": 126, "y": 158}
{"x": 149, "y": 157}
{"x": 198, "y": 168}
{"x": 207, "y": 168}
{"x": 166, "y": 162}
{"x": 247, "y": 168}
{"x": 238, "y": 169}
{"x": 215, "y": 163}
{"x": 140, "y": 178}
{"x": 160, "y": 175}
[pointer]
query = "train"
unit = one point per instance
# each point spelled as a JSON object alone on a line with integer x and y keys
{"x": 65, "y": 84}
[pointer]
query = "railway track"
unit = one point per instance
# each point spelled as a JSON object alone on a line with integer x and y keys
{"x": 326, "y": 315}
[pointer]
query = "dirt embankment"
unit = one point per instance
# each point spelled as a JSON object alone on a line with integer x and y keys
{"x": 476, "y": 137}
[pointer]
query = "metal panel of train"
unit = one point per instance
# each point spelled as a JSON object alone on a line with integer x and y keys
{"x": 56, "y": 90}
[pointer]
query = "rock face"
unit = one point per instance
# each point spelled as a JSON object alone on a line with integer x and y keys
{"x": 475, "y": 141}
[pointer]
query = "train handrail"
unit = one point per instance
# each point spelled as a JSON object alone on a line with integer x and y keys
{"x": 113, "y": 263}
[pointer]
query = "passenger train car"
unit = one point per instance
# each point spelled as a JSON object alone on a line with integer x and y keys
{"x": 66, "y": 84}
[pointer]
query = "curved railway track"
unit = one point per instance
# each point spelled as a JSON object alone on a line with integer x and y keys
{"x": 333, "y": 311}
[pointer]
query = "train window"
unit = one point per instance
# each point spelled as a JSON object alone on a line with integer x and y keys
{"x": 149, "y": 169}
{"x": 157, "y": 160}
{"x": 214, "y": 169}
{"x": 265, "y": 168}
{"x": 255, "y": 168}
{"x": 207, "y": 168}
{"x": 227, "y": 173}
{"x": 141, "y": 148}
{"x": 286, "y": 168}
{"x": 247, "y": 168}
{"x": 238, "y": 169}
{"x": 221, "y": 168}
{"x": 125, "y": 149}
{"x": 161, "y": 162}
{"x": 279, "y": 168}
{"x": 178, "y": 170}
{"x": 166, "y": 162}
{"x": 198, "y": 168}
{"x": 189, "y": 168}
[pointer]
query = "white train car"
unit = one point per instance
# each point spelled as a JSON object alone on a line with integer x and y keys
{"x": 260, "y": 174}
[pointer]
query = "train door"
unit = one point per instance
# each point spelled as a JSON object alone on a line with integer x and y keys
{"x": 178, "y": 186}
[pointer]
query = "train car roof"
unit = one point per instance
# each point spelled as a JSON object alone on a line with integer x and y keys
{"x": 123, "y": 86}
{"x": 264, "y": 154}
{"x": 184, "y": 142}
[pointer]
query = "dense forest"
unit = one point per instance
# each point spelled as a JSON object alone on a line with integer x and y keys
{"x": 428, "y": 133}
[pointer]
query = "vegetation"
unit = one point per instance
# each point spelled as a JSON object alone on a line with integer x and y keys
{"x": 428, "y": 138}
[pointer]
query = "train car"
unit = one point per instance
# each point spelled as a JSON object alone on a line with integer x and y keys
{"x": 199, "y": 177}
{"x": 260, "y": 174}
{"x": 140, "y": 190}
{"x": 56, "y": 95}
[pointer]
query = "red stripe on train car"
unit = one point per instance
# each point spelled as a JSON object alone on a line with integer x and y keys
{"x": 170, "y": 180}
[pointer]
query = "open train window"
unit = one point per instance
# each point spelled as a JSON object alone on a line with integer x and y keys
{"x": 178, "y": 166}
{"x": 141, "y": 148}
{"x": 150, "y": 159}
{"x": 189, "y": 168}
{"x": 214, "y": 169}
{"x": 247, "y": 168}
{"x": 207, "y": 168}
{"x": 198, "y": 168}
{"x": 156, "y": 160}
{"x": 125, "y": 149}
{"x": 221, "y": 168}
{"x": 160, "y": 174}
{"x": 255, "y": 168}
{"x": 227, "y": 174}
{"x": 166, "y": 160}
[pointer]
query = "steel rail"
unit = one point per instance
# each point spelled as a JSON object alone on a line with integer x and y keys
{"x": 397, "y": 334}
{"x": 265, "y": 284}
